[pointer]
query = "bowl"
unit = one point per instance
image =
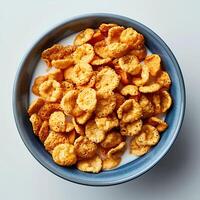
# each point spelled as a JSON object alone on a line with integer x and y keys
{"x": 125, "y": 172}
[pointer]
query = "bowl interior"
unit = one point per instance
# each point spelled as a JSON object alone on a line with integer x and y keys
{"x": 128, "y": 171}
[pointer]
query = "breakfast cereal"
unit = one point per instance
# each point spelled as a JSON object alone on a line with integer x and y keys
{"x": 129, "y": 111}
{"x": 36, "y": 122}
{"x": 54, "y": 139}
{"x": 153, "y": 63}
{"x": 106, "y": 103}
{"x": 158, "y": 123}
{"x": 93, "y": 165}
{"x": 130, "y": 64}
{"x": 64, "y": 154}
{"x": 84, "y": 36}
{"x": 57, "y": 121}
{"x": 87, "y": 99}
{"x": 149, "y": 136}
{"x": 110, "y": 163}
{"x": 81, "y": 73}
{"x": 130, "y": 90}
{"x": 112, "y": 139}
{"x": 99, "y": 97}
{"x": 131, "y": 129}
{"x": 107, "y": 80}
{"x": 84, "y": 147}
{"x": 50, "y": 90}
{"x": 107, "y": 123}
{"x": 44, "y": 131}
{"x": 93, "y": 132}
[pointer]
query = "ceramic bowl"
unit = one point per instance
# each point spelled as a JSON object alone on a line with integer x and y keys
{"x": 128, "y": 171}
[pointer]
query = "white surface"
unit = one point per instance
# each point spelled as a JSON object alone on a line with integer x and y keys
{"x": 175, "y": 177}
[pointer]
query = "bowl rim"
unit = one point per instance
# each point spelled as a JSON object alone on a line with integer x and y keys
{"x": 169, "y": 53}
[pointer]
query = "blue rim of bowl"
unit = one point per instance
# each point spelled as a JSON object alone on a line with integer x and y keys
{"x": 182, "y": 86}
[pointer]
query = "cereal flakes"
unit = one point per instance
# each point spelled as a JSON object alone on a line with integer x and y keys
{"x": 101, "y": 93}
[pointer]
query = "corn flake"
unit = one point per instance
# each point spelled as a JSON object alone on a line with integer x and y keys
{"x": 123, "y": 75}
{"x": 101, "y": 49}
{"x": 57, "y": 121}
{"x": 100, "y": 61}
{"x": 50, "y": 90}
{"x": 117, "y": 49}
{"x": 148, "y": 136}
{"x": 54, "y": 139}
{"x": 64, "y": 155}
{"x": 139, "y": 43}
{"x": 112, "y": 140}
{"x": 89, "y": 84}
{"x": 81, "y": 74}
{"x": 114, "y": 34}
{"x": 131, "y": 129}
{"x": 93, "y": 133}
{"x": 37, "y": 82}
{"x": 107, "y": 123}
{"x": 166, "y": 101}
{"x": 153, "y": 63}
{"x": 66, "y": 86}
{"x": 98, "y": 36}
{"x": 83, "y": 53}
{"x": 56, "y": 52}
{"x": 154, "y": 87}
{"x": 105, "y": 104}
{"x": 129, "y": 111}
{"x": 107, "y": 80}
{"x": 110, "y": 163}
{"x": 87, "y": 99}
{"x": 63, "y": 63}
{"x": 147, "y": 107}
{"x": 158, "y": 123}
{"x": 56, "y": 75}
{"x": 44, "y": 131}
{"x": 117, "y": 151}
{"x": 104, "y": 28}
{"x": 138, "y": 150}
{"x": 164, "y": 80}
{"x": 68, "y": 101}
{"x": 130, "y": 90}
{"x": 139, "y": 53}
{"x": 130, "y": 64}
{"x": 78, "y": 128}
{"x": 36, "y": 123}
{"x": 84, "y": 147}
{"x": 77, "y": 111}
{"x": 48, "y": 108}
{"x": 84, "y": 36}
{"x": 35, "y": 106}
{"x": 93, "y": 165}
{"x": 144, "y": 77}
{"x": 156, "y": 100}
{"x": 83, "y": 118}
{"x": 69, "y": 126}
{"x": 129, "y": 36}
{"x": 68, "y": 73}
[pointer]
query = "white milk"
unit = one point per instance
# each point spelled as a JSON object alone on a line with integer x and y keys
{"x": 42, "y": 69}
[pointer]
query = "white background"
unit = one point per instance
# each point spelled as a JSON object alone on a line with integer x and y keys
{"x": 177, "y": 176}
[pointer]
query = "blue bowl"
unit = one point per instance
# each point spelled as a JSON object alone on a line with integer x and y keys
{"x": 130, "y": 170}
